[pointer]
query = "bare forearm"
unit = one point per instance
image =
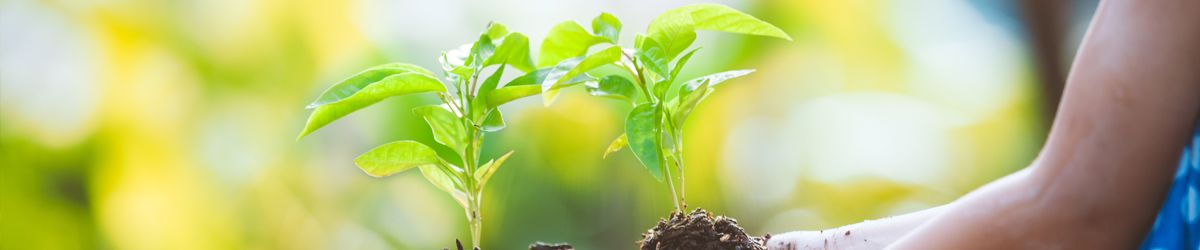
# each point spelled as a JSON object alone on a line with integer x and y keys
{"x": 1129, "y": 106}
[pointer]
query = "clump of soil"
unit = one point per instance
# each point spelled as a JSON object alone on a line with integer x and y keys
{"x": 699, "y": 230}
{"x": 547, "y": 246}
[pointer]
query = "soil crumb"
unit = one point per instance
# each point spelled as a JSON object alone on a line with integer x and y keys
{"x": 699, "y": 230}
{"x": 548, "y": 246}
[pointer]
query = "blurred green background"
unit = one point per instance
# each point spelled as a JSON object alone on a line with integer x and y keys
{"x": 130, "y": 124}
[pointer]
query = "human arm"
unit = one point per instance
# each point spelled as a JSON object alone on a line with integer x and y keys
{"x": 1129, "y": 105}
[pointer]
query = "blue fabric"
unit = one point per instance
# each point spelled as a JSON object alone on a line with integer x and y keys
{"x": 1176, "y": 224}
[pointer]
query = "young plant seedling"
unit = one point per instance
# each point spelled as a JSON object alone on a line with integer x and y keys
{"x": 466, "y": 114}
{"x": 654, "y": 128}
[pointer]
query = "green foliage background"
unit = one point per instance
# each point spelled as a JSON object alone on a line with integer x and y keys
{"x": 172, "y": 124}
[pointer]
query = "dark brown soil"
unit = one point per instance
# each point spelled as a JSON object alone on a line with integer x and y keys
{"x": 699, "y": 230}
{"x": 546, "y": 246}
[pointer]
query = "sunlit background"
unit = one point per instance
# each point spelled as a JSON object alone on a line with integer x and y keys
{"x": 170, "y": 124}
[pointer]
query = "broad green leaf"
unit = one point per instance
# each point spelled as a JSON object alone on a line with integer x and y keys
{"x": 395, "y": 85}
{"x": 496, "y": 30}
{"x": 641, "y": 130}
{"x": 485, "y": 172}
{"x": 494, "y": 121}
{"x": 714, "y": 79}
{"x": 566, "y": 71}
{"x": 616, "y": 145}
{"x": 675, "y": 28}
{"x": 565, "y": 40}
{"x": 447, "y": 127}
{"x": 442, "y": 180}
{"x": 395, "y": 157}
{"x": 513, "y": 50}
{"x": 653, "y": 57}
{"x": 613, "y": 86}
{"x": 358, "y": 82}
{"x": 607, "y": 26}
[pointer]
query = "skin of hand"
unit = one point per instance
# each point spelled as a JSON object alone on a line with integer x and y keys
{"x": 1129, "y": 106}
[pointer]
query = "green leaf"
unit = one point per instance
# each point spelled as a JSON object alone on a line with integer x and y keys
{"x": 357, "y": 82}
{"x": 496, "y": 30}
{"x": 675, "y": 28}
{"x": 641, "y": 130}
{"x": 443, "y": 180}
{"x": 394, "y": 85}
{"x": 566, "y": 71}
{"x": 489, "y": 84}
{"x": 674, "y": 32}
{"x": 683, "y": 104}
{"x": 481, "y": 51}
{"x": 679, "y": 64}
{"x": 565, "y": 40}
{"x": 714, "y": 79}
{"x": 526, "y": 85}
{"x": 607, "y": 26}
{"x": 653, "y": 57}
{"x": 613, "y": 86}
{"x": 510, "y": 93}
{"x": 395, "y": 157}
{"x": 513, "y": 50}
{"x": 695, "y": 90}
{"x": 616, "y": 145}
{"x": 485, "y": 172}
{"x": 716, "y": 17}
{"x": 494, "y": 121}
{"x": 446, "y": 125}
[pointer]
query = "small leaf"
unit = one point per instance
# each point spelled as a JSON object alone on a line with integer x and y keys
{"x": 489, "y": 84}
{"x": 485, "y": 172}
{"x": 714, "y": 79}
{"x": 395, "y": 157}
{"x": 675, "y": 28}
{"x": 496, "y": 30}
{"x": 442, "y": 180}
{"x": 653, "y": 57}
{"x": 526, "y": 85}
{"x": 613, "y": 86}
{"x": 513, "y": 50}
{"x": 566, "y": 71}
{"x": 361, "y": 80}
{"x": 494, "y": 121}
{"x": 395, "y": 85}
{"x": 679, "y": 64}
{"x": 616, "y": 145}
{"x": 674, "y": 33}
{"x": 510, "y": 93}
{"x": 660, "y": 89}
{"x": 687, "y": 100}
{"x": 565, "y": 40}
{"x": 716, "y": 17}
{"x": 481, "y": 51}
{"x": 641, "y": 130}
{"x": 447, "y": 127}
{"x": 607, "y": 26}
